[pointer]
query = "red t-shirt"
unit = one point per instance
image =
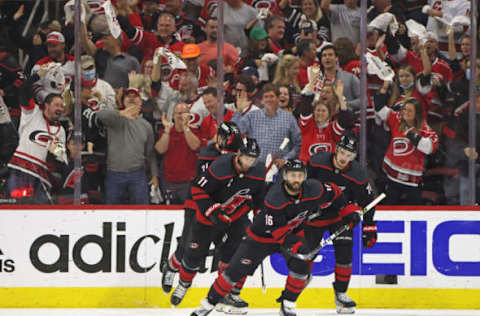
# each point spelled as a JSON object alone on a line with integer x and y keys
{"x": 179, "y": 162}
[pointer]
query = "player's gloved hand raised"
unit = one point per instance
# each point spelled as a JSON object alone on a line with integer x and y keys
{"x": 351, "y": 215}
{"x": 217, "y": 215}
{"x": 369, "y": 234}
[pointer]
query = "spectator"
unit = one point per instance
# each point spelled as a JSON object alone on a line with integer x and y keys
{"x": 447, "y": 10}
{"x": 285, "y": 99}
{"x": 242, "y": 92}
{"x": 344, "y": 19}
{"x": 311, "y": 10}
{"x": 405, "y": 88}
{"x": 40, "y": 134}
{"x": 275, "y": 27}
{"x": 411, "y": 141}
{"x": 187, "y": 28}
{"x": 270, "y": 125}
{"x": 101, "y": 89}
{"x": 209, "y": 126}
{"x": 208, "y": 48}
{"x": 237, "y": 15}
{"x": 130, "y": 146}
{"x": 287, "y": 72}
{"x": 147, "y": 42}
{"x": 203, "y": 73}
{"x": 179, "y": 143}
{"x": 332, "y": 73}
{"x": 307, "y": 51}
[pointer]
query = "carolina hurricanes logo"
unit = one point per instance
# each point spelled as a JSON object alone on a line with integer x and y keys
{"x": 41, "y": 138}
{"x": 195, "y": 119}
{"x": 437, "y": 6}
{"x": 261, "y": 4}
{"x": 401, "y": 146}
{"x": 319, "y": 147}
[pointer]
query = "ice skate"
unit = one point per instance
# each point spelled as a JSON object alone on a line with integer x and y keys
{"x": 288, "y": 308}
{"x": 168, "y": 276}
{"x": 345, "y": 305}
{"x": 232, "y": 304}
{"x": 203, "y": 309}
{"x": 179, "y": 293}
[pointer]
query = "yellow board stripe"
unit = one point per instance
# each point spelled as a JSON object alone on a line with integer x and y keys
{"x": 310, "y": 298}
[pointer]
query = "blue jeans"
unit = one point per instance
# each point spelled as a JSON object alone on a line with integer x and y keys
{"x": 19, "y": 182}
{"x": 131, "y": 185}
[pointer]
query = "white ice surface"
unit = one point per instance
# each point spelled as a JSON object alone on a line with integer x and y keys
{"x": 252, "y": 312}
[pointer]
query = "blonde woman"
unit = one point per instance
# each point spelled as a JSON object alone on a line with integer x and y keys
{"x": 286, "y": 73}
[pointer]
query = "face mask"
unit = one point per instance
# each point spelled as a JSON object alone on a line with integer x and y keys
{"x": 406, "y": 87}
{"x": 89, "y": 75}
{"x": 468, "y": 74}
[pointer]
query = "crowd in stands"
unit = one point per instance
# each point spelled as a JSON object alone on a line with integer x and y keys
{"x": 291, "y": 70}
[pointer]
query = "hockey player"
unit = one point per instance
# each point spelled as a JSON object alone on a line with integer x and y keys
{"x": 228, "y": 140}
{"x": 288, "y": 204}
{"x": 340, "y": 168}
{"x": 222, "y": 197}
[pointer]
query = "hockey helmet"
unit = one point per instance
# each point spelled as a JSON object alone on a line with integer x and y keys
{"x": 230, "y": 133}
{"x": 294, "y": 165}
{"x": 348, "y": 141}
{"x": 250, "y": 147}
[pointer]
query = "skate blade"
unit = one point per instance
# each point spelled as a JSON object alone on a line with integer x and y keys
{"x": 229, "y": 310}
{"x": 345, "y": 310}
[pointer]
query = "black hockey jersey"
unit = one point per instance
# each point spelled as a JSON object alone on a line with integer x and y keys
{"x": 353, "y": 181}
{"x": 237, "y": 193}
{"x": 283, "y": 214}
{"x": 206, "y": 157}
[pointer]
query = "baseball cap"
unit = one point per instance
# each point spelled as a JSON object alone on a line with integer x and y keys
{"x": 55, "y": 38}
{"x": 135, "y": 90}
{"x": 87, "y": 61}
{"x": 258, "y": 33}
{"x": 190, "y": 51}
{"x": 251, "y": 71}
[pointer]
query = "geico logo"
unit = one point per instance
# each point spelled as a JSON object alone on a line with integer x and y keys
{"x": 6, "y": 265}
{"x": 104, "y": 241}
{"x": 428, "y": 251}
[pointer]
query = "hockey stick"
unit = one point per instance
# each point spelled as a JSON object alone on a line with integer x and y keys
{"x": 283, "y": 145}
{"x": 324, "y": 242}
{"x": 262, "y": 278}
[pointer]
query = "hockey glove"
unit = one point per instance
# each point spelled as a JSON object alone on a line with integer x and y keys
{"x": 296, "y": 244}
{"x": 351, "y": 215}
{"x": 369, "y": 235}
{"x": 217, "y": 215}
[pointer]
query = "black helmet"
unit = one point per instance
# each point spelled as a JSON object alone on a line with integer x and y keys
{"x": 250, "y": 147}
{"x": 294, "y": 165}
{"x": 230, "y": 133}
{"x": 348, "y": 141}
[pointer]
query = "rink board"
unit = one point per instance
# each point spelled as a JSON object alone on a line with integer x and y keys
{"x": 111, "y": 257}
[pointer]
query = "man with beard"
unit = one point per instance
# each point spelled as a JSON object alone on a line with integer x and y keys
{"x": 130, "y": 145}
{"x": 222, "y": 197}
{"x": 288, "y": 204}
{"x": 351, "y": 178}
{"x": 40, "y": 133}
{"x": 208, "y": 48}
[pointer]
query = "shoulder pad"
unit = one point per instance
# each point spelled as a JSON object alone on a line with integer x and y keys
{"x": 222, "y": 168}
{"x": 209, "y": 152}
{"x": 321, "y": 159}
{"x": 356, "y": 173}
{"x": 312, "y": 188}
{"x": 276, "y": 197}
{"x": 257, "y": 171}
